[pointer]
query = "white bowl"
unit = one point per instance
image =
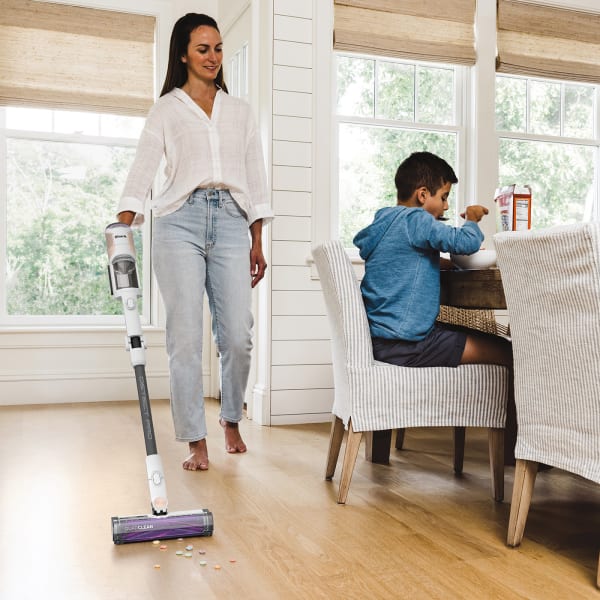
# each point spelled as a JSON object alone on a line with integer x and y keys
{"x": 482, "y": 259}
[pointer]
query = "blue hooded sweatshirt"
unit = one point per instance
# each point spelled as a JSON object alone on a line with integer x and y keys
{"x": 401, "y": 287}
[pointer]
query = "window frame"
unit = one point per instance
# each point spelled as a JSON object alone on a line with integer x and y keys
{"x": 38, "y": 321}
{"x": 527, "y": 136}
{"x": 462, "y": 86}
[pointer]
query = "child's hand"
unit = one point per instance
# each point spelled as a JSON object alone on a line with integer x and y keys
{"x": 474, "y": 212}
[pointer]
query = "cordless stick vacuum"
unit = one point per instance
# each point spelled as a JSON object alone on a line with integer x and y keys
{"x": 159, "y": 525}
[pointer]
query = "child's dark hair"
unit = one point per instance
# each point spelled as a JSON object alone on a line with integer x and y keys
{"x": 422, "y": 169}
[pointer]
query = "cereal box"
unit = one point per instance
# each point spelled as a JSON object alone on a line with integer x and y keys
{"x": 513, "y": 207}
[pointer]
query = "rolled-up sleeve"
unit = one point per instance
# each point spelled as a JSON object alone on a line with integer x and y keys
{"x": 259, "y": 205}
{"x": 149, "y": 153}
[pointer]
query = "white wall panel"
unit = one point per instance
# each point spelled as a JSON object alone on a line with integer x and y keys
{"x": 292, "y": 29}
{"x": 302, "y": 377}
{"x": 301, "y": 352}
{"x": 292, "y": 54}
{"x": 292, "y": 104}
{"x": 303, "y": 402}
{"x": 293, "y": 8}
{"x": 292, "y": 154}
{"x": 301, "y": 374}
{"x": 286, "y": 202}
{"x": 305, "y": 302}
{"x": 291, "y": 228}
{"x": 300, "y": 328}
{"x": 293, "y": 278}
{"x": 292, "y": 129}
{"x": 290, "y": 253}
{"x": 294, "y": 179}
{"x": 293, "y": 79}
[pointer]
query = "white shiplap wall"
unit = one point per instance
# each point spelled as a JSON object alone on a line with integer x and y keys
{"x": 301, "y": 373}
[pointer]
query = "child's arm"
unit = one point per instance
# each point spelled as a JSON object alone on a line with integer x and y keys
{"x": 424, "y": 231}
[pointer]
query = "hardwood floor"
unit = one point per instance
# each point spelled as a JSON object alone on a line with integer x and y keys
{"x": 409, "y": 530}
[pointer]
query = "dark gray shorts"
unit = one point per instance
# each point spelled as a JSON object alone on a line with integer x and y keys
{"x": 443, "y": 347}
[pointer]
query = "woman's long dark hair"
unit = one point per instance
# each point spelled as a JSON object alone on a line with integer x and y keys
{"x": 180, "y": 38}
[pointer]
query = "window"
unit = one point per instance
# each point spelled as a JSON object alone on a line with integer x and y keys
{"x": 387, "y": 109}
{"x": 64, "y": 172}
{"x": 237, "y": 83}
{"x": 549, "y": 138}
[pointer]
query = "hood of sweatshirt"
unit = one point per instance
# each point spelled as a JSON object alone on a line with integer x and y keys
{"x": 368, "y": 238}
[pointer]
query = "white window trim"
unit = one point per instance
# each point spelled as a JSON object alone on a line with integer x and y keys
{"x": 154, "y": 318}
{"x": 562, "y": 139}
{"x": 64, "y": 320}
{"x": 325, "y": 190}
{"x": 459, "y": 129}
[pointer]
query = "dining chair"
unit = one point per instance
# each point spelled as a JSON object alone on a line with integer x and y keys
{"x": 551, "y": 281}
{"x": 372, "y": 396}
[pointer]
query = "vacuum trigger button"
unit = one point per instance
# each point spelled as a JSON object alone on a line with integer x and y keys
{"x": 156, "y": 478}
{"x": 130, "y": 302}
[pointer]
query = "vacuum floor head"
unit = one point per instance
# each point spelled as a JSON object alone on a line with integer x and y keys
{"x": 146, "y": 528}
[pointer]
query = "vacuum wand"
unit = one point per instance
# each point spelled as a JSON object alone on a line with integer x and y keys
{"x": 124, "y": 285}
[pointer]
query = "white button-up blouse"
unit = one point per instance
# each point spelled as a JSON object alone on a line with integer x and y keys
{"x": 222, "y": 152}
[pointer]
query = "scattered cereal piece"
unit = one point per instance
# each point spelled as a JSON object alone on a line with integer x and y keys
{"x": 179, "y": 552}
{"x": 190, "y": 547}
{"x": 202, "y": 563}
{"x": 188, "y": 555}
{"x": 163, "y": 547}
{"x": 180, "y": 539}
{"x": 232, "y": 560}
{"x": 201, "y": 551}
{"x": 217, "y": 567}
{"x": 155, "y": 542}
{"x": 157, "y": 566}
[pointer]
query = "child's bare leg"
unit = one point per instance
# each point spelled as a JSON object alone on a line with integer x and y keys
{"x": 198, "y": 458}
{"x": 488, "y": 349}
{"x": 233, "y": 440}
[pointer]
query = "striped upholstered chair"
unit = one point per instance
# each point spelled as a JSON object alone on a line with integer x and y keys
{"x": 551, "y": 280}
{"x": 372, "y": 396}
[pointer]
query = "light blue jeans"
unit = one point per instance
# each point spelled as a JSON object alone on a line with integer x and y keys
{"x": 205, "y": 245}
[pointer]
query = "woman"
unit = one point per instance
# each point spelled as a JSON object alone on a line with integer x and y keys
{"x": 214, "y": 192}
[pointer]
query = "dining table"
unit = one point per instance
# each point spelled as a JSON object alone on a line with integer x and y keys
{"x": 460, "y": 288}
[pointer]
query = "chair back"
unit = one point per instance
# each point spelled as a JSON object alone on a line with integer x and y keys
{"x": 551, "y": 281}
{"x": 350, "y": 336}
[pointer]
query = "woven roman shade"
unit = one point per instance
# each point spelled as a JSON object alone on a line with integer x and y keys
{"x": 547, "y": 41}
{"x": 428, "y": 30}
{"x": 60, "y": 56}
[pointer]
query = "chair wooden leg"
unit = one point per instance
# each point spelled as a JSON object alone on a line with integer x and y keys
{"x": 496, "y": 450}
{"x": 400, "y": 438}
{"x": 352, "y": 444}
{"x": 335, "y": 443}
{"x": 525, "y": 472}
{"x": 377, "y": 446}
{"x": 459, "y": 449}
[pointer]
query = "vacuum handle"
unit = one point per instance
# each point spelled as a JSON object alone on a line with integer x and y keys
{"x": 145, "y": 410}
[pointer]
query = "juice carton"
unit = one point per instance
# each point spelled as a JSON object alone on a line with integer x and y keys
{"x": 513, "y": 207}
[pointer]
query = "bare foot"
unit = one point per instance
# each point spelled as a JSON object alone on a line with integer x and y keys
{"x": 233, "y": 440}
{"x": 198, "y": 459}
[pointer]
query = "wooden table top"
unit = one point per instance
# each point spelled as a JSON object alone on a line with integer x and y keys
{"x": 472, "y": 288}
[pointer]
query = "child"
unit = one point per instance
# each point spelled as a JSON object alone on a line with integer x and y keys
{"x": 401, "y": 286}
